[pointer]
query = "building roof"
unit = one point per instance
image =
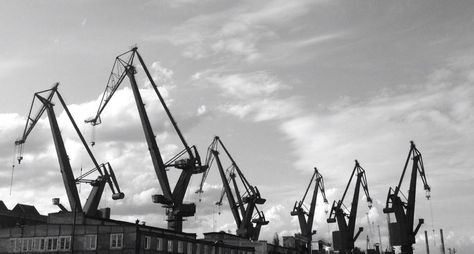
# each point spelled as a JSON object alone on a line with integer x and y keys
{"x": 27, "y": 210}
{"x": 3, "y": 207}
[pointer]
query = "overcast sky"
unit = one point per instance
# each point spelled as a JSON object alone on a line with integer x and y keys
{"x": 287, "y": 85}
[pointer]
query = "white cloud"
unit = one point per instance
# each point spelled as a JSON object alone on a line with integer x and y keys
{"x": 238, "y": 46}
{"x": 442, "y": 109}
{"x": 278, "y": 11}
{"x": 163, "y": 78}
{"x": 264, "y": 110}
{"x": 242, "y": 86}
{"x": 12, "y": 65}
{"x": 253, "y": 95}
{"x": 319, "y": 39}
{"x": 237, "y": 32}
{"x": 240, "y": 111}
{"x": 83, "y": 22}
{"x": 201, "y": 110}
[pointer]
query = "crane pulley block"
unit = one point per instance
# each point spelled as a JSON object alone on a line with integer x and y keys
{"x": 117, "y": 196}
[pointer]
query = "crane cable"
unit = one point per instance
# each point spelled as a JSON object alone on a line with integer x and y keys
{"x": 13, "y": 167}
{"x": 432, "y": 219}
{"x": 432, "y": 222}
{"x": 213, "y": 219}
{"x": 93, "y": 136}
{"x": 82, "y": 157}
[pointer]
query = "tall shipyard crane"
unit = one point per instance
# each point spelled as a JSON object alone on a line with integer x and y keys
{"x": 306, "y": 218}
{"x": 247, "y": 216}
{"x": 343, "y": 240}
{"x": 402, "y": 232}
{"x": 106, "y": 174}
{"x": 171, "y": 200}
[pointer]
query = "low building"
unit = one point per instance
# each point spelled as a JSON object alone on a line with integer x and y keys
{"x": 297, "y": 242}
{"x": 21, "y": 214}
{"x": 77, "y": 233}
{"x": 261, "y": 247}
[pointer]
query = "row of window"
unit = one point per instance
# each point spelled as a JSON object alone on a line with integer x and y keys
{"x": 182, "y": 245}
{"x": 61, "y": 243}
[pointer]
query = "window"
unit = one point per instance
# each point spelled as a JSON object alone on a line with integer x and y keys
{"x": 190, "y": 248}
{"x": 180, "y": 246}
{"x": 36, "y": 243}
{"x": 13, "y": 245}
{"x": 90, "y": 242}
{"x": 23, "y": 245}
{"x": 64, "y": 242}
{"x": 147, "y": 242}
{"x": 198, "y": 248}
{"x": 159, "y": 243}
{"x": 116, "y": 241}
{"x": 170, "y": 245}
{"x": 42, "y": 244}
{"x": 52, "y": 243}
{"x": 206, "y": 249}
{"x": 18, "y": 244}
{"x": 27, "y": 244}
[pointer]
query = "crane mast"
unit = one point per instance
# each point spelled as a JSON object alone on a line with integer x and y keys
{"x": 105, "y": 176}
{"x": 171, "y": 200}
{"x": 306, "y": 225}
{"x": 343, "y": 240}
{"x": 402, "y": 232}
{"x": 248, "y": 218}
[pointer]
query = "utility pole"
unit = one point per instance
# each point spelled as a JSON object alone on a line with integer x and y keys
{"x": 426, "y": 241}
{"x": 367, "y": 245}
{"x": 443, "y": 251}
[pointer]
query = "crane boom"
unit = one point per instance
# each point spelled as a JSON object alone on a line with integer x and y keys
{"x": 306, "y": 225}
{"x": 172, "y": 200}
{"x": 402, "y": 232}
{"x": 68, "y": 177}
{"x": 228, "y": 192}
{"x": 243, "y": 207}
{"x": 344, "y": 239}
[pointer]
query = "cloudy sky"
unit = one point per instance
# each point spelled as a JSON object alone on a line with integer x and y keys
{"x": 287, "y": 85}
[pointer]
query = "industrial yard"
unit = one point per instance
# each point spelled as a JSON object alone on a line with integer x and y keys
{"x": 237, "y": 128}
